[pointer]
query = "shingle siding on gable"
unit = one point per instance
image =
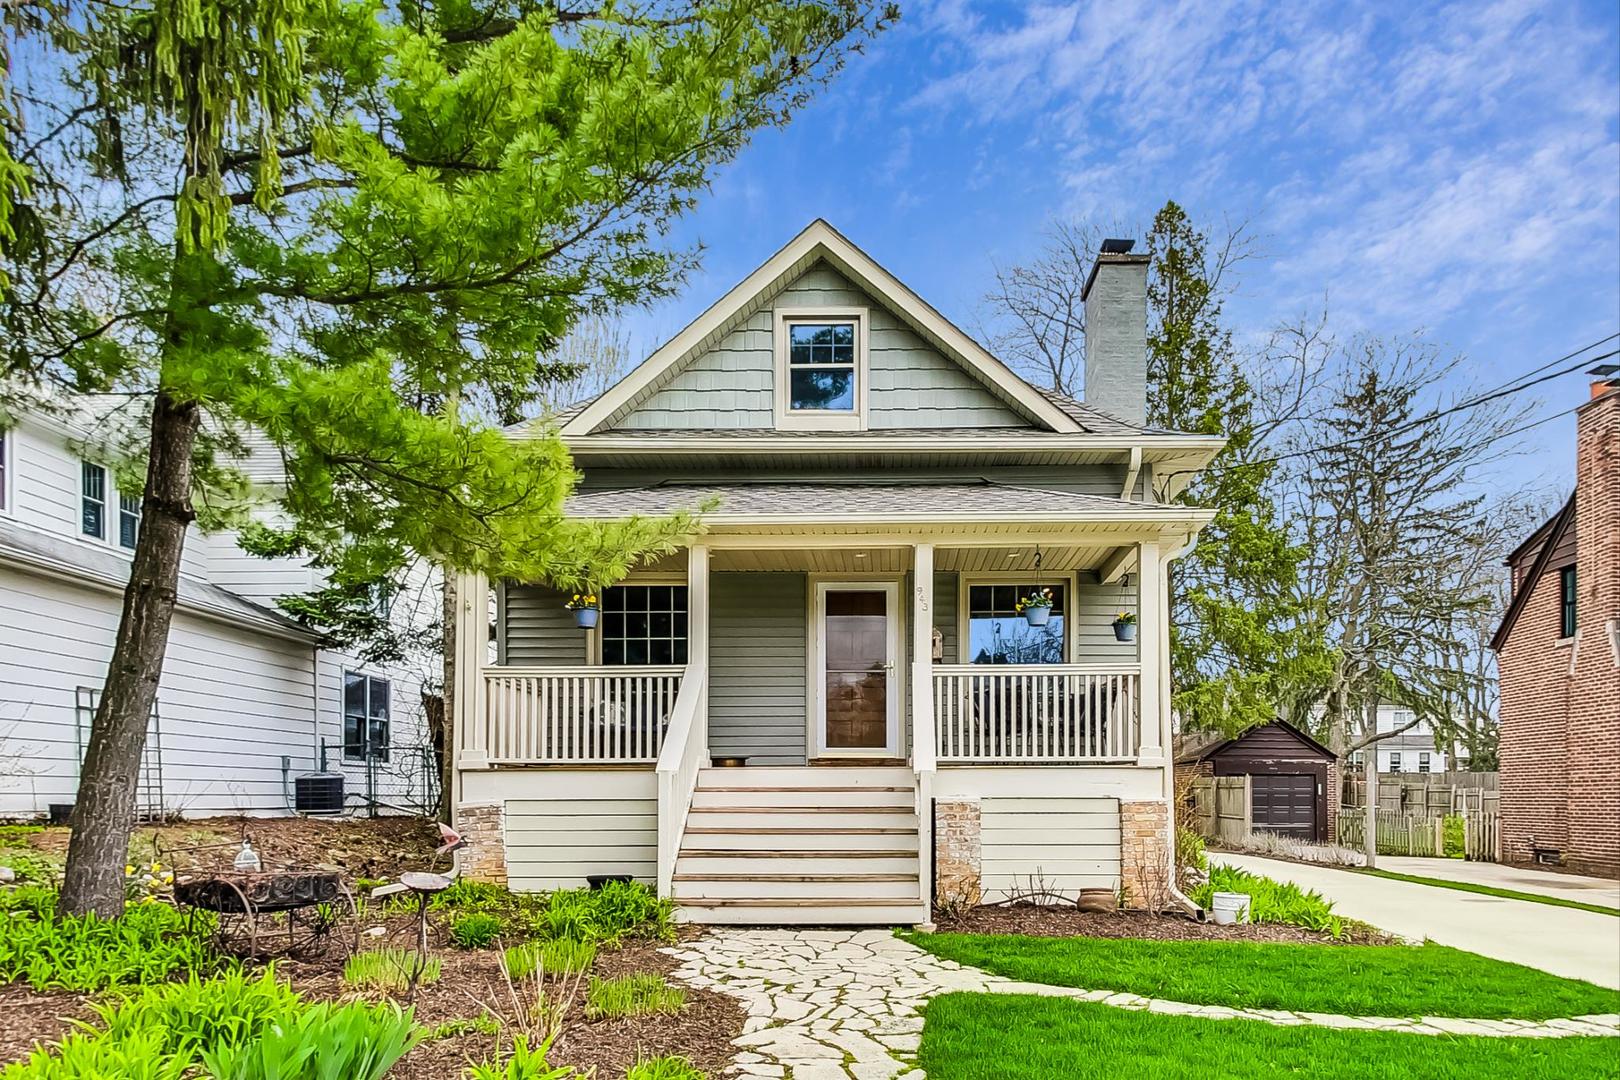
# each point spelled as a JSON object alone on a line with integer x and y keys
{"x": 731, "y": 386}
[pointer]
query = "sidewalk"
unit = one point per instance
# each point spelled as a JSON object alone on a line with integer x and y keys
{"x": 1587, "y": 890}
{"x": 1561, "y": 941}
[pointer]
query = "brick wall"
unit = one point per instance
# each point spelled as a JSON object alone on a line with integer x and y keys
{"x": 957, "y": 848}
{"x": 483, "y": 826}
{"x": 1144, "y": 853}
{"x": 1560, "y": 698}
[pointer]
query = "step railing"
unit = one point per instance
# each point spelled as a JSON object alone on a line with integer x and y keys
{"x": 1035, "y": 713}
{"x": 578, "y": 715}
{"x": 686, "y": 748}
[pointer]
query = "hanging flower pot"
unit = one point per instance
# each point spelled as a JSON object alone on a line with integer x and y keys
{"x": 1125, "y": 626}
{"x": 1036, "y": 608}
{"x": 585, "y": 609}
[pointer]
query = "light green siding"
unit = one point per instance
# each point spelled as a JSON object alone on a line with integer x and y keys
{"x": 535, "y": 628}
{"x": 757, "y": 661}
{"x": 731, "y": 386}
{"x": 1095, "y": 608}
{"x": 558, "y": 843}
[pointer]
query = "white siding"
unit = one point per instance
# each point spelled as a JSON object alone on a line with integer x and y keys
{"x": 1067, "y": 844}
{"x": 232, "y": 702}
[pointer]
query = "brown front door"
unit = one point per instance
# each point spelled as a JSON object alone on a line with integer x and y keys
{"x": 857, "y": 645}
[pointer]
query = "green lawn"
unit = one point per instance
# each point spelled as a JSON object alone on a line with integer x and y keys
{"x": 1370, "y": 980}
{"x": 1491, "y": 890}
{"x": 1012, "y": 1037}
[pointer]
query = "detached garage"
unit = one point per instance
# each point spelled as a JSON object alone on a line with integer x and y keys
{"x": 1293, "y": 778}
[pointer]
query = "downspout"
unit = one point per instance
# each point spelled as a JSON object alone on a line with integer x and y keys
{"x": 1169, "y": 778}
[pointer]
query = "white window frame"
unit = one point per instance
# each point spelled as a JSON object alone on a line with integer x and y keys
{"x": 593, "y": 644}
{"x": 1070, "y": 580}
{"x": 791, "y": 419}
{"x": 366, "y": 750}
{"x": 116, "y": 531}
{"x": 108, "y": 500}
{"x": 1394, "y": 761}
{"x": 8, "y": 472}
{"x": 1424, "y": 761}
{"x": 897, "y": 692}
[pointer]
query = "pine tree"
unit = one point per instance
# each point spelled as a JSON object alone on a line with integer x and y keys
{"x": 352, "y": 226}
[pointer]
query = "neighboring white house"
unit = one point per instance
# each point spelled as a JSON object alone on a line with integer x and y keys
{"x": 249, "y": 700}
{"x": 1413, "y": 750}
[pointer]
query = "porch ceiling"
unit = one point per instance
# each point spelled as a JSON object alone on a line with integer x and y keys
{"x": 885, "y": 559}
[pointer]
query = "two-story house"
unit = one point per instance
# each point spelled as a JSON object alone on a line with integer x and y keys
{"x": 249, "y": 700}
{"x": 1558, "y": 655}
{"x": 832, "y": 707}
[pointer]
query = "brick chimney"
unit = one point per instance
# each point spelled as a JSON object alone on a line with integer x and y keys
{"x": 1116, "y": 332}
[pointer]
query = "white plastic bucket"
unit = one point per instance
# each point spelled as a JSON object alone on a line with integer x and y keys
{"x": 1227, "y": 908}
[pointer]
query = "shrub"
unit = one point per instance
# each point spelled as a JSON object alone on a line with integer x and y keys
{"x": 524, "y": 1064}
{"x": 91, "y": 1056}
{"x": 35, "y": 901}
{"x": 1272, "y": 901}
{"x": 354, "y": 1041}
{"x": 1190, "y": 853}
{"x": 608, "y": 915}
{"x": 1454, "y": 845}
{"x": 226, "y": 1011}
{"x": 31, "y": 867}
{"x": 476, "y": 930}
{"x": 1292, "y": 847}
{"x": 148, "y": 944}
{"x": 468, "y": 895}
{"x": 631, "y": 995}
{"x": 390, "y": 969}
{"x": 669, "y": 1067}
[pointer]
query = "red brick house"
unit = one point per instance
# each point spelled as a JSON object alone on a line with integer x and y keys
{"x": 1558, "y": 652}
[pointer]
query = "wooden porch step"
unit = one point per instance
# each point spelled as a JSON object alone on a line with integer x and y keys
{"x": 741, "y": 830}
{"x": 730, "y": 809}
{"x": 795, "y": 901}
{"x": 807, "y": 790}
{"x": 763, "y": 853}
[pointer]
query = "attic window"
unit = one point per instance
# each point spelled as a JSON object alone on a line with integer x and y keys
{"x": 821, "y": 369}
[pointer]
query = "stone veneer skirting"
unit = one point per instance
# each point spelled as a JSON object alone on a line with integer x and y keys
{"x": 1144, "y": 853}
{"x": 957, "y": 860}
{"x": 483, "y": 827}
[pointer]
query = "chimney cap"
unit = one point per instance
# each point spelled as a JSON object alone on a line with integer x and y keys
{"x": 1117, "y": 247}
{"x": 1605, "y": 370}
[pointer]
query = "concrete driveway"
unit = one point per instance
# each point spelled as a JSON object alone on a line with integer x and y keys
{"x": 1562, "y": 941}
{"x": 1604, "y": 892}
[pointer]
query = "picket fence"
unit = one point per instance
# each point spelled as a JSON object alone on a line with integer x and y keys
{"x": 1412, "y": 834}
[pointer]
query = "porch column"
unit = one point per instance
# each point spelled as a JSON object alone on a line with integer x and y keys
{"x": 922, "y": 656}
{"x": 1153, "y": 628}
{"x": 472, "y": 653}
{"x": 697, "y": 608}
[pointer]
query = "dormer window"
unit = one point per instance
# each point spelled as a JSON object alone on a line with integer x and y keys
{"x": 821, "y": 368}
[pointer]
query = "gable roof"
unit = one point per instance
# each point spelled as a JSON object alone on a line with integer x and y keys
{"x": 820, "y": 242}
{"x": 1200, "y": 745}
{"x": 1553, "y": 532}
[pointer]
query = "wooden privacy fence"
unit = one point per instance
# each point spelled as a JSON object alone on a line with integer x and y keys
{"x": 1223, "y": 807}
{"x": 1425, "y": 794}
{"x": 1412, "y": 834}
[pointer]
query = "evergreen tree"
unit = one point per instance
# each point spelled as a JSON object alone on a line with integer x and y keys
{"x": 352, "y": 226}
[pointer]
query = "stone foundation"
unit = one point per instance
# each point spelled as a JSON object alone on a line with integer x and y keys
{"x": 957, "y": 854}
{"x": 483, "y": 827}
{"x": 1144, "y": 855}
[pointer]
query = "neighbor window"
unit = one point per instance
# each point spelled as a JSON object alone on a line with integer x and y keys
{"x": 1423, "y": 762}
{"x": 1394, "y": 763}
{"x": 93, "y": 501}
{"x": 644, "y": 624}
{"x": 999, "y": 634}
{"x": 129, "y": 520}
{"x": 1566, "y": 602}
{"x": 365, "y": 717}
{"x": 5, "y": 467}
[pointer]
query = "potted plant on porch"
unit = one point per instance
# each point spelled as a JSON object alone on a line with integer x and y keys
{"x": 586, "y": 609}
{"x": 1036, "y": 608}
{"x": 1125, "y": 626}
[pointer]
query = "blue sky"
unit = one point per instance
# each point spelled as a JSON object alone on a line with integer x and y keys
{"x": 1447, "y": 168}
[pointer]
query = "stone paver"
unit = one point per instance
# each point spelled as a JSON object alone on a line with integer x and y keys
{"x": 846, "y": 1005}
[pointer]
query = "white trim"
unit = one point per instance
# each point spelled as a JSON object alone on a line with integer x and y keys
{"x": 819, "y": 240}
{"x": 791, "y": 419}
{"x": 1170, "y": 515}
{"x": 986, "y": 439}
{"x": 109, "y": 495}
{"x": 8, "y": 471}
{"x": 895, "y": 690}
{"x": 1070, "y": 579}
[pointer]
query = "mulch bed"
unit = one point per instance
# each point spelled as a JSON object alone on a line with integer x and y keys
{"x": 702, "y": 1031}
{"x": 1053, "y": 921}
{"x": 32, "y": 1017}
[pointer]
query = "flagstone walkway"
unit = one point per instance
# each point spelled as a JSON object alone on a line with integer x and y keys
{"x": 845, "y": 1005}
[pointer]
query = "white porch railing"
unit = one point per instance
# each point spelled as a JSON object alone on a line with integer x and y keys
{"x": 685, "y": 751}
{"x": 1035, "y": 714}
{"x": 578, "y": 715}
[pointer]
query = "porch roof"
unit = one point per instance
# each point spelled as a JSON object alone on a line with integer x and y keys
{"x": 768, "y": 502}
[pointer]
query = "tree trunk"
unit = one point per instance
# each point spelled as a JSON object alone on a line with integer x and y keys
{"x": 104, "y": 812}
{"x": 447, "y": 775}
{"x": 1371, "y": 760}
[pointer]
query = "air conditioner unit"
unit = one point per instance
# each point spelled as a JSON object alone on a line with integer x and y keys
{"x": 318, "y": 793}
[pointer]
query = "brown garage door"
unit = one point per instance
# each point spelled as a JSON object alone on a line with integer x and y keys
{"x": 1285, "y": 804}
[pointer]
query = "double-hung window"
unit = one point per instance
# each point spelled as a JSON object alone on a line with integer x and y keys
{"x": 1566, "y": 602}
{"x": 1423, "y": 761}
{"x": 821, "y": 369}
{"x": 129, "y": 520}
{"x": 999, "y": 634}
{"x": 365, "y": 717}
{"x": 93, "y": 500}
{"x": 644, "y": 624}
{"x": 5, "y": 469}
{"x": 1395, "y": 762}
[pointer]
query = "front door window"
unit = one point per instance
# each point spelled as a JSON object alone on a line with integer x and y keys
{"x": 857, "y": 669}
